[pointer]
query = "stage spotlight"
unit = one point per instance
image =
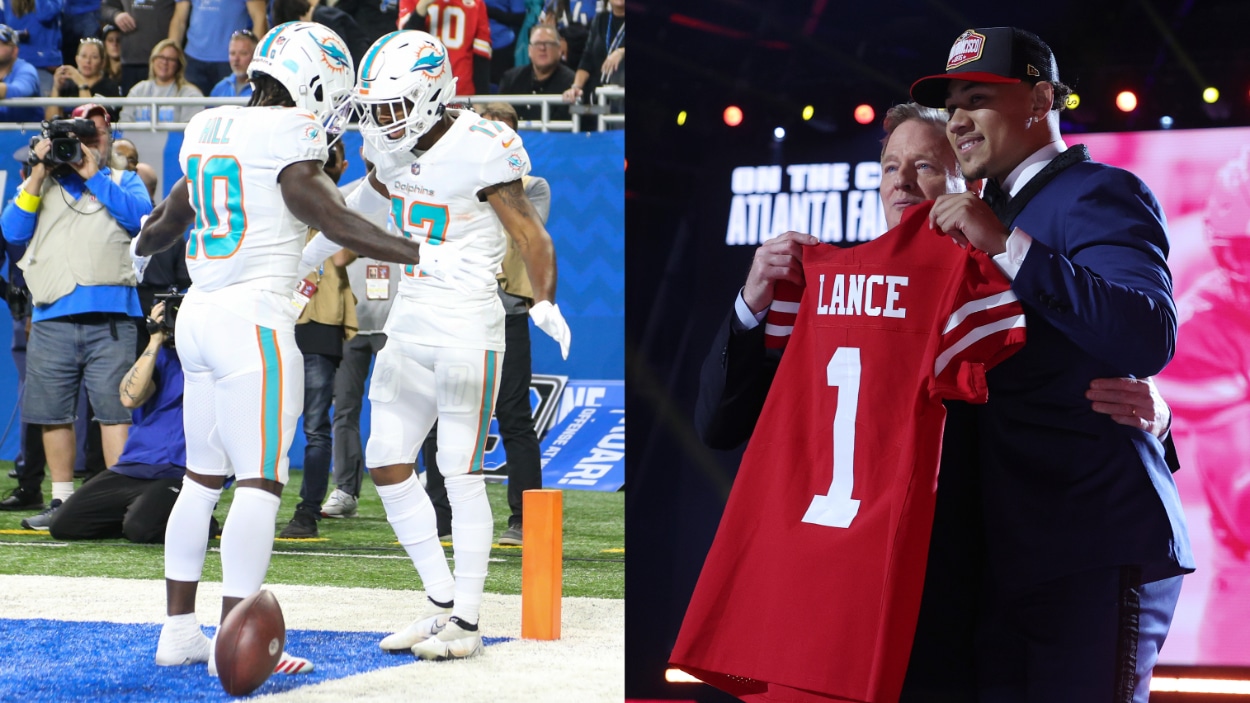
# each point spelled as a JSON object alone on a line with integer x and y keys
{"x": 808, "y": 112}
{"x": 681, "y": 118}
{"x": 1166, "y": 122}
{"x": 779, "y": 134}
{"x": 1210, "y": 95}
{"x": 864, "y": 114}
{"x": 733, "y": 115}
{"x": 1126, "y": 101}
{"x": 1072, "y": 102}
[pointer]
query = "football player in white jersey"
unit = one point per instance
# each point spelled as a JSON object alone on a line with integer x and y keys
{"x": 254, "y": 178}
{"x": 449, "y": 180}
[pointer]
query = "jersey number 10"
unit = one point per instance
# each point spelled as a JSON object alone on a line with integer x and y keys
{"x": 837, "y": 508}
{"x": 217, "y": 196}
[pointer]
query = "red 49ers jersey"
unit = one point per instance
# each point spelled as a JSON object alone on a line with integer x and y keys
{"x": 812, "y": 587}
{"x": 463, "y": 27}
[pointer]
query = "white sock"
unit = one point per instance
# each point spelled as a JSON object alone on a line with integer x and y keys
{"x": 411, "y": 515}
{"x": 186, "y": 533}
{"x": 472, "y": 530}
{"x": 62, "y": 490}
{"x": 247, "y": 541}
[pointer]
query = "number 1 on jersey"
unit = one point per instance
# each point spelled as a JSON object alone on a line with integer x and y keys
{"x": 837, "y": 508}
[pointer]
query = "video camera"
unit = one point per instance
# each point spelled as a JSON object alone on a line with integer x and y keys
{"x": 66, "y": 135}
{"x": 172, "y": 300}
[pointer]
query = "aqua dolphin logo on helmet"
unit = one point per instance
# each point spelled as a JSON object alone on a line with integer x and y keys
{"x": 427, "y": 63}
{"x": 335, "y": 55}
{"x": 431, "y": 60}
{"x": 405, "y": 84}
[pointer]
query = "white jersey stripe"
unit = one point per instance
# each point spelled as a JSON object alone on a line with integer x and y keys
{"x": 974, "y": 306}
{"x": 778, "y": 330}
{"x": 789, "y": 306}
{"x": 972, "y": 337}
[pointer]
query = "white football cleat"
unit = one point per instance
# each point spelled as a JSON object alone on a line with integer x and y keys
{"x": 420, "y": 630}
{"x": 181, "y": 646}
{"x": 454, "y": 642}
{"x": 288, "y": 664}
{"x": 291, "y": 664}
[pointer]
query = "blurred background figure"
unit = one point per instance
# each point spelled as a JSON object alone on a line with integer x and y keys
{"x": 112, "y": 38}
{"x": 166, "y": 79}
{"x": 545, "y": 74}
{"x": 1208, "y": 387}
{"x": 18, "y": 79}
{"x": 86, "y": 78}
{"x": 236, "y": 85}
{"x": 216, "y": 22}
{"x": 143, "y": 23}
{"x": 38, "y": 27}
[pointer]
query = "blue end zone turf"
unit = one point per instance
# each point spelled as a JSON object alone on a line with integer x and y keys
{"x": 43, "y": 660}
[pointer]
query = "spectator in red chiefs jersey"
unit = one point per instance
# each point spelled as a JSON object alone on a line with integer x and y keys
{"x": 464, "y": 28}
{"x": 917, "y": 164}
{"x": 1209, "y": 382}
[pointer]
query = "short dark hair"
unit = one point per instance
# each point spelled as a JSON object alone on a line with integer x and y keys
{"x": 289, "y": 10}
{"x": 1033, "y": 45}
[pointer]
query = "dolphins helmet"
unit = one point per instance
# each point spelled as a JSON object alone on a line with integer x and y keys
{"x": 313, "y": 64}
{"x": 405, "y": 83}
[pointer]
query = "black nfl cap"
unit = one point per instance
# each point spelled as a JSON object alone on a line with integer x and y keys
{"x": 990, "y": 55}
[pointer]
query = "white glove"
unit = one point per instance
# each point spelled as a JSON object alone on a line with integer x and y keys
{"x": 138, "y": 263}
{"x": 449, "y": 263}
{"x": 548, "y": 318}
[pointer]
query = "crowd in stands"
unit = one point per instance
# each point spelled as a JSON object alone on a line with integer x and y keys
{"x": 103, "y": 49}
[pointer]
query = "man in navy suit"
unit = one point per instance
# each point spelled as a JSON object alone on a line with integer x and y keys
{"x": 1085, "y": 539}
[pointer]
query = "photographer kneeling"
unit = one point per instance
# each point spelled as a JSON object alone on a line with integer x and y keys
{"x": 134, "y": 497}
{"x": 79, "y": 218}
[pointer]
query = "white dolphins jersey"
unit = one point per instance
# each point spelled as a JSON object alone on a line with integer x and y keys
{"x": 244, "y": 239}
{"x": 434, "y": 200}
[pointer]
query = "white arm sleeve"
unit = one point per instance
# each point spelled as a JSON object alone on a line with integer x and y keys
{"x": 317, "y": 250}
{"x": 366, "y": 200}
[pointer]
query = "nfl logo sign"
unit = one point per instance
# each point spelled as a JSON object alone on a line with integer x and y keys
{"x": 416, "y": 169}
{"x": 967, "y": 48}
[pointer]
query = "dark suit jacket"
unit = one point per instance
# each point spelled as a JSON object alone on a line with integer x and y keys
{"x": 1065, "y": 489}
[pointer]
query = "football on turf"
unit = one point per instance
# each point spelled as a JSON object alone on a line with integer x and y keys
{"x": 250, "y": 643}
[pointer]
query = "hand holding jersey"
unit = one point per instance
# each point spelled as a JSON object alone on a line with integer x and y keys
{"x": 778, "y": 259}
{"x": 969, "y": 220}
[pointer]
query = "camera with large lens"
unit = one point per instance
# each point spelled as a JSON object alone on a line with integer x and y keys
{"x": 172, "y": 300}
{"x": 66, "y": 136}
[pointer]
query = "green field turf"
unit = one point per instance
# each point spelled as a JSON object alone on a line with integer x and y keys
{"x": 353, "y": 552}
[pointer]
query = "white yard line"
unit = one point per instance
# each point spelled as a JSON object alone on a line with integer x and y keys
{"x": 586, "y": 665}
